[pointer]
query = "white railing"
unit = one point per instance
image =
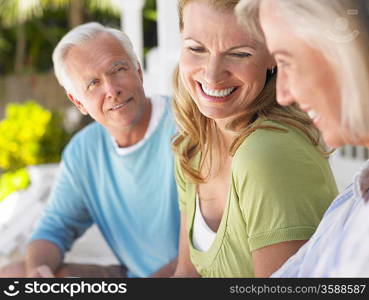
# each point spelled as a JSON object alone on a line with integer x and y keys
{"x": 346, "y": 162}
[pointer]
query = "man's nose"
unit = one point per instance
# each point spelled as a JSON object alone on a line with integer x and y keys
{"x": 284, "y": 96}
{"x": 112, "y": 90}
{"x": 215, "y": 70}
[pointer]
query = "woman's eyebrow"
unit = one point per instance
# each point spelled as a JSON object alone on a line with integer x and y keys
{"x": 242, "y": 46}
{"x": 281, "y": 52}
{"x": 192, "y": 39}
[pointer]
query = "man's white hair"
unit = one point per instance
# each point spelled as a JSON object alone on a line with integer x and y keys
{"x": 78, "y": 36}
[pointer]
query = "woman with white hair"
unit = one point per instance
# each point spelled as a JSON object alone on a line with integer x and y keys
{"x": 321, "y": 50}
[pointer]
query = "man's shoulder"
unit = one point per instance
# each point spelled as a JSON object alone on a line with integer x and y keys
{"x": 163, "y": 112}
{"x": 89, "y": 131}
{"x": 90, "y": 134}
{"x": 162, "y": 101}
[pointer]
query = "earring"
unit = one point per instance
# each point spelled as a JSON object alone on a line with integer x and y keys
{"x": 272, "y": 70}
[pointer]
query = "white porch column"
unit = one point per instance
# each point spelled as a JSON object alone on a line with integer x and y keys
{"x": 168, "y": 40}
{"x": 132, "y": 24}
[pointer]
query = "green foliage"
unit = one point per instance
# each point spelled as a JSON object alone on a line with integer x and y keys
{"x": 45, "y": 23}
{"x": 29, "y": 135}
{"x": 150, "y": 26}
{"x": 13, "y": 181}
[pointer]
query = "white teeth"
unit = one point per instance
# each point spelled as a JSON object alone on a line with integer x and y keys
{"x": 121, "y": 105}
{"x": 217, "y": 93}
{"x": 118, "y": 106}
{"x": 312, "y": 114}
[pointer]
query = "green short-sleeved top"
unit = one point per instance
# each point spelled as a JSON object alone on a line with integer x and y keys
{"x": 281, "y": 186}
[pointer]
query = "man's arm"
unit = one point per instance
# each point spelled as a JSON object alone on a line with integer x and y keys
{"x": 41, "y": 253}
{"x": 166, "y": 271}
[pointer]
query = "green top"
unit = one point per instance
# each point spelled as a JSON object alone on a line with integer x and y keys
{"x": 281, "y": 186}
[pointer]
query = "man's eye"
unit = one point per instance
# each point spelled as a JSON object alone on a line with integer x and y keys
{"x": 120, "y": 69}
{"x": 92, "y": 83}
{"x": 240, "y": 54}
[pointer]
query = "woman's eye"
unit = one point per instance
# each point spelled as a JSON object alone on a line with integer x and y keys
{"x": 196, "y": 49}
{"x": 282, "y": 64}
{"x": 240, "y": 54}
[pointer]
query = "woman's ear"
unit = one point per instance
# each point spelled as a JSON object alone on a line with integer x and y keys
{"x": 78, "y": 104}
{"x": 272, "y": 63}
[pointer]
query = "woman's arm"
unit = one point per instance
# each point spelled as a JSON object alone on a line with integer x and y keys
{"x": 185, "y": 267}
{"x": 166, "y": 271}
{"x": 269, "y": 259}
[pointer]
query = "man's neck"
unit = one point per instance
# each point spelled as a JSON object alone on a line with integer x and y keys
{"x": 126, "y": 137}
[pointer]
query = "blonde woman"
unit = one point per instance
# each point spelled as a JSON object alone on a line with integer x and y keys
{"x": 252, "y": 178}
{"x": 324, "y": 68}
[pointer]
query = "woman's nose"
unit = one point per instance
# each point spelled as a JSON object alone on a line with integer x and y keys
{"x": 215, "y": 70}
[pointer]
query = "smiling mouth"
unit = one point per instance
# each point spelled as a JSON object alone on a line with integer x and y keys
{"x": 119, "y": 106}
{"x": 311, "y": 113}
{"x": 217, "y": 93}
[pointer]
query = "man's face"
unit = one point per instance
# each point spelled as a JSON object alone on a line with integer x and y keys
{"x": 107, "y": 85}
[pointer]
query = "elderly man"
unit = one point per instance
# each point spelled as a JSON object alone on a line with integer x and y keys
{"x": 117, "y": 172}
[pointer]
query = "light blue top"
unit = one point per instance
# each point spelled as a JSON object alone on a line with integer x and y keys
{"x": 130, "y": 193}
{"x": 339, "y": 247}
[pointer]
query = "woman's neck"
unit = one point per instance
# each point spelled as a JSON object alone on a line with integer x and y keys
{"x": 226, "y": 136}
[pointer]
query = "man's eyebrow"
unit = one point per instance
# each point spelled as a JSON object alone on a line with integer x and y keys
{"x": 123, "y": 63}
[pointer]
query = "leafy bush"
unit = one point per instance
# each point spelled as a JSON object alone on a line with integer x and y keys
{"x": 29, "y": 135}
{"x": 12, "y": 181}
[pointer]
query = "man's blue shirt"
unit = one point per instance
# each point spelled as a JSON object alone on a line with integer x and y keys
{"x": 131, "y": 195}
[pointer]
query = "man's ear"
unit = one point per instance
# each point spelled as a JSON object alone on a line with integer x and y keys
{"x": 140, "y": 73}
{"x": 78, "y": 104}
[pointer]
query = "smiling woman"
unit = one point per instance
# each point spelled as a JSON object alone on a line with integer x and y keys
{"x": 243, "y": 161}
{"x": 328, "y": 44}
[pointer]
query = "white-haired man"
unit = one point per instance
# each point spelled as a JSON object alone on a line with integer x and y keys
{"x": 117, "y": 172}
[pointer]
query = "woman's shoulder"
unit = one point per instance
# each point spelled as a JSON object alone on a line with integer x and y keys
{"x": 273, "y": 141}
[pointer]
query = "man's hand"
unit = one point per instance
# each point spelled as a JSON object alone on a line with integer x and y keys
{"x": 42, "y": 271}
{"x": 42, "y": 259}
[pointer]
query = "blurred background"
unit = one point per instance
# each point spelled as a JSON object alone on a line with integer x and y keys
{"x": 37, "y": 120}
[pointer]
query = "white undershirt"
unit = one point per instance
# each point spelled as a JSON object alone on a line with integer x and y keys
{"x": 202, "y": 236}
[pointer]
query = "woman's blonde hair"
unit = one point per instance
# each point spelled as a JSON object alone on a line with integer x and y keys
{"x": 197, "y": 132}
{"x": 340, "y": 30}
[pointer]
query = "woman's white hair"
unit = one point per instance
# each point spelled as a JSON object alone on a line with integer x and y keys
{"x": 78, "y": 36}
{"x": 340, "y": 30}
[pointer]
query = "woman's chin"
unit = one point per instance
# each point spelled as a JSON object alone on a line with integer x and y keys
{"x": 333, "y": 139}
